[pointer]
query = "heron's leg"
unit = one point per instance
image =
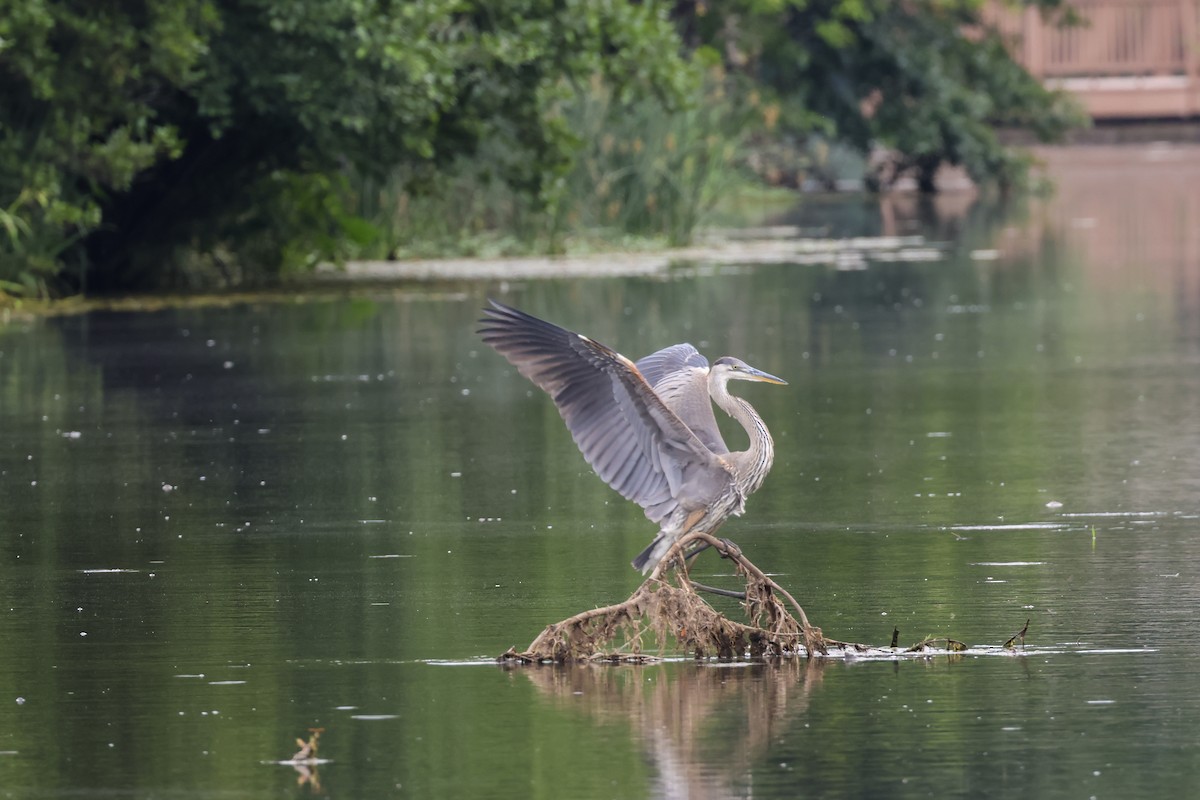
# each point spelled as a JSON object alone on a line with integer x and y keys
{"x": 730, "y": 547}
{"x": 716, "y": 590}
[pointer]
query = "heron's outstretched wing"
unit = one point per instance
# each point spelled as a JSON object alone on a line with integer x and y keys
{"x": 670, "y": 360}
{"x": 636, "y": 444}
{"x": 679, "y": 375}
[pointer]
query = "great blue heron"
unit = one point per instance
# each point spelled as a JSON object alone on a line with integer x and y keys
{"x": 648, "y": 428}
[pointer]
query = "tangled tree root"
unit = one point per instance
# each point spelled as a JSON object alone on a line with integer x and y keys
{"x": 667, "y": 607}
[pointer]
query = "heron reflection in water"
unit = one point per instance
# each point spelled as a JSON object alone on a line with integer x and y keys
{"x": 647, "y": 429}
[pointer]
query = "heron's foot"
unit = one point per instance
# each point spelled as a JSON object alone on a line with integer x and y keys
{"x": 697, "y": 550}
{"x": 729, "y": 549}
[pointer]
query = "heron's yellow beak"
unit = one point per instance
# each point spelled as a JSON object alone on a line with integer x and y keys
{"x": 763, "y": 377}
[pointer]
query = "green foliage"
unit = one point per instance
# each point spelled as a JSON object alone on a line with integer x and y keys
{"x": 460, "y": 208}
{"x": 929, "y": 80}
{"x": 647, "y": 171}
{"x": 155, "y": 135}
{"x": 150, "y": 143}
{"x": 77, "y": 120}
{"x": 637, "y": 169}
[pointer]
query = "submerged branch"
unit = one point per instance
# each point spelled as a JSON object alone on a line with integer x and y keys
{"x": 952, "y": 645}
{"x": 1012, "y": 640}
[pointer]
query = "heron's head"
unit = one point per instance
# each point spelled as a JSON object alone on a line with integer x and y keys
{"x": 734, "y": 369}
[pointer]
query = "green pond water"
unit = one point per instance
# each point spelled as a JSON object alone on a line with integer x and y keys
{"x": 221, "y": 527}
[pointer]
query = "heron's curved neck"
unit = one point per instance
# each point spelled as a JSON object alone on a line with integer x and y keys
{"x": 752, "y": 464}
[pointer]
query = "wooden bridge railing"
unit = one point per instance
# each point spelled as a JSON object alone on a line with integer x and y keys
{"x": 1131, "y": 58}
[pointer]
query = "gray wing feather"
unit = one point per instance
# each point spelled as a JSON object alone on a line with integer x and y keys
{"x": 679, "y": 375}
{"x": 636, "y": 443}
{"x": 686, "y": 393}
{"x": 668, "y": 361}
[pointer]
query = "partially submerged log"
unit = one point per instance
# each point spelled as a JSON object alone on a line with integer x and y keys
{"x": 667, "y": 608}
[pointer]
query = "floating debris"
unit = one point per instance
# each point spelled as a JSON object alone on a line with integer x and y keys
{"x": 374, "y": 717}
{"x": 1116, "y": 514}
{"x": 305, "y": 761}
{"x": 1028, "y": 526}
{"x": 307, "y": 754}
{"x": 667, "y": 609}
{"x": 1019, "y": 635}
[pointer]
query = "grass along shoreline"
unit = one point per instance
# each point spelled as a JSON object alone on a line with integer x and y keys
{"x": 717, "y": 250}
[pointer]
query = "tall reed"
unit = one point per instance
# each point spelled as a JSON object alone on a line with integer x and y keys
{"x": 639, "y": 170}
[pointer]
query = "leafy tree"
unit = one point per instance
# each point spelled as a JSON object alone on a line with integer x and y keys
{"x": 140, "y": 138}
{"x": 928, "y": 79}
{"x": 150, "y": 143}
{"x": 77, "y": 122}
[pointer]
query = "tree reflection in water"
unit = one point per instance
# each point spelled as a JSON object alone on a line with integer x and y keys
{"x": 703, "y": 727}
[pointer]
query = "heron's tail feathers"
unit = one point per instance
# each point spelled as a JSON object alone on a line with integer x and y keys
{"x": 649, "y": 558}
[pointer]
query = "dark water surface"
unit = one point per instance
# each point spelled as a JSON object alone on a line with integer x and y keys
{"x": 221, "y": 527}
